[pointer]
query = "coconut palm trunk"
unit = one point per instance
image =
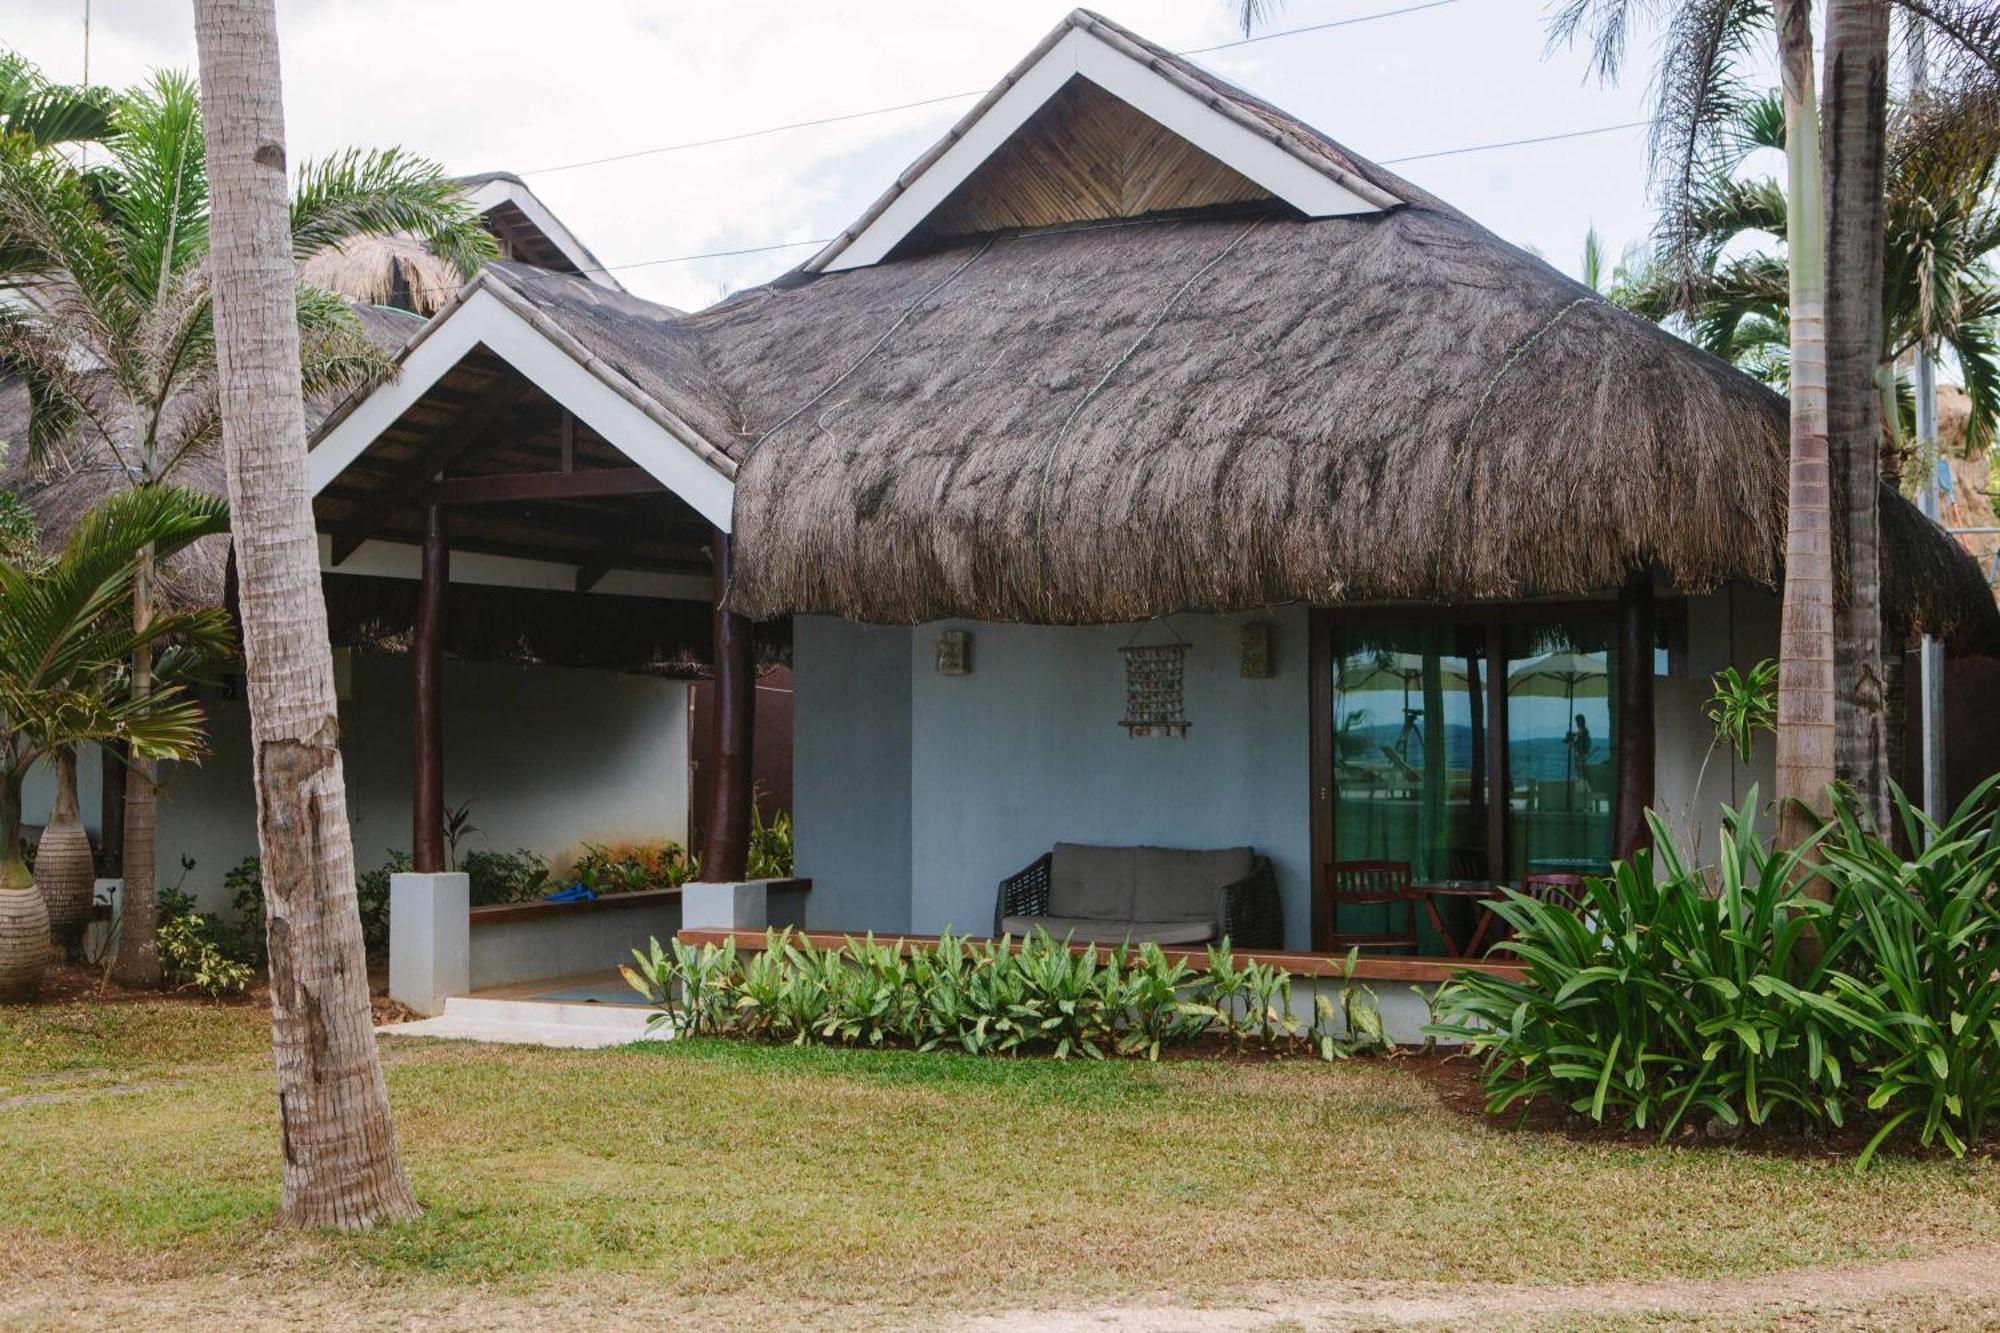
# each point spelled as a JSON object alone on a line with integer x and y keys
{"x": 1806, "y": 747}
{"x": 341, "y": 1165}
{"x": 1856, "y": 128}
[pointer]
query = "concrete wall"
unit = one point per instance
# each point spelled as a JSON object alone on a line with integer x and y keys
{"x": 851, "y": 771}
{"x": 549, "y": 758}
{"x": 1735, "y": 627}
{"x": 1026, "y": 751}
{"x": 916, "y": 793}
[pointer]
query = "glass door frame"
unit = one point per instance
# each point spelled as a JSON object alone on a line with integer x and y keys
{"x": 1494, "y": 619}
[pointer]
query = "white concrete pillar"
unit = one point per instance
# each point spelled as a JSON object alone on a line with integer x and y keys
{"x": 430, "y": 939}
{"x": 740, "y": 905}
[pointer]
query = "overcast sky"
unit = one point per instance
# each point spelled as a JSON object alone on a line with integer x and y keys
{"x": 525, "y": 85}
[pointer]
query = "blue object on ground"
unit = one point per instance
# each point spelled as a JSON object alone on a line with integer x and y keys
{"x": 575, "y": 893}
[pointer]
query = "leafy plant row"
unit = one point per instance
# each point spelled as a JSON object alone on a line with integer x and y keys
{"x": 1809, "y": 987}
{"x": 989, "y": 997}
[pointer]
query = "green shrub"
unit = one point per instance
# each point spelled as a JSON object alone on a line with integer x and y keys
{"x": 633, "y": 867}
{"x": 770, "y": 845}
{"x": 505, "y": 877}
{"x": 193, "y": 957}
{"x": 989, "y": 997}
{"x": 1749, "y": 997}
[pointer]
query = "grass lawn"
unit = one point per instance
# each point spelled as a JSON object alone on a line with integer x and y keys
{"x": 141, "y": 1151}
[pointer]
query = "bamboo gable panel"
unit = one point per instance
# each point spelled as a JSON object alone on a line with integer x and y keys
{"x": 1087, "y": 156}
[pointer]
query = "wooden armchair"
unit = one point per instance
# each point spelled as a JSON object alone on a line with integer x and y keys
{"x": 1366, "y": 884}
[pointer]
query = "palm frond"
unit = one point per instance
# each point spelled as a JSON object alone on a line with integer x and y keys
{"x": 159, "y": 182}
{"x": 43, "y": 114}
{"x": 357, "y": 192}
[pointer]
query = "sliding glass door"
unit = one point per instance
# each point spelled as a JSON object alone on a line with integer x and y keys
{"x": 1470, "y": 746}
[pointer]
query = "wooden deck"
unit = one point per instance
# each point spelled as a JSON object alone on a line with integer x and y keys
{"x": 1379, "y": 967}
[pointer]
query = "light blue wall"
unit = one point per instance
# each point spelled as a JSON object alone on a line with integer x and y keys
{"x": 916, "y": 793}
{"x": 851, "y": 772}
{"x": 1026, "y": 751}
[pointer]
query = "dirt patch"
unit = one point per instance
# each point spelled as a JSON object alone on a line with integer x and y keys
{"x": 1962, "y": 1287}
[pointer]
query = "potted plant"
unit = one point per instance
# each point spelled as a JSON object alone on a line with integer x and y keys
{"x": 66, "y": 641}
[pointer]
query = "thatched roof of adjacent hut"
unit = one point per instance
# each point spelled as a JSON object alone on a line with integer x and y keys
{"x": 381, "y": 269}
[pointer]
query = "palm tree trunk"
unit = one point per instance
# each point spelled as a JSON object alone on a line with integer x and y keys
{"x": 137, "y": 961}
{"x": 341, "y": 1164}
{"x": 1805, "y": 759}
{"x": 1857, "y": 100}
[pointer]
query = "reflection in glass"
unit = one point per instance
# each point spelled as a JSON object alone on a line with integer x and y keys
{"x": 1560, "y": 747}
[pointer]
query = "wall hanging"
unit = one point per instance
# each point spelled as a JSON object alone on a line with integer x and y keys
{"x": 1154, "y": 677}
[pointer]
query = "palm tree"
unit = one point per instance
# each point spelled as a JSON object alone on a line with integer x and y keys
{"x": 66, "y": 642}
{"x": 115, "y": 340}
{"x": 341, "y": 1166}
{"x": 1939, "y": 286}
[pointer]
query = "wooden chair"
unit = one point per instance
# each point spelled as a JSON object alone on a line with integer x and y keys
{"x": 1366, "y": 884}
{"x": 1564, "y": 889}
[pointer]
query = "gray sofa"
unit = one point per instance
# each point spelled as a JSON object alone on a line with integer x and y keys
{"x": 1162, "y": 895}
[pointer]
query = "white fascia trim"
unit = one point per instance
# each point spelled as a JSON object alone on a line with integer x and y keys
{"x": 483, "y": 317}
{"x": 403, "y": 560}
{"x": 1310, "y": 191}
{"x": 494, "y": 193}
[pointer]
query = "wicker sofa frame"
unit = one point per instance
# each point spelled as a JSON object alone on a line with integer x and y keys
{"x": 1248, "y": 910}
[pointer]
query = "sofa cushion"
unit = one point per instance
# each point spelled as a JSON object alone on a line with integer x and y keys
{"x": 1171, "y": 884}
{"x": 1091, "y": 883}
{"x": 1080, "y": 930}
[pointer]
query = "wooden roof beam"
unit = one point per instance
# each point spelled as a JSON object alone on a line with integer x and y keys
{"x": 500, "y": 488}
{"x": 430, "y": 460}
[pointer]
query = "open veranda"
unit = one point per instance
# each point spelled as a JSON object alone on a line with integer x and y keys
{"x": 713, "y": 1181}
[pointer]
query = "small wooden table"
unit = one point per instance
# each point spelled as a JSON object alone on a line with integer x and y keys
{"x": 1482, "y": 892}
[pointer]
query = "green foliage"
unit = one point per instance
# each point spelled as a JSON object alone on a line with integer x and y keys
{"x": 458, "y": 826}
{"x": 1666, "y": 994}
{"x": 506, "y": 877}
{"x": 1741, "y": 705}
{"x": 990, "y": 997}
{"x": 193, "y": 957}
{"x": 632, "y": 867}
{"x": 770, "y": 845}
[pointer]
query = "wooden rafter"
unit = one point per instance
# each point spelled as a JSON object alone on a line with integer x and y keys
{"x": 499, "y": 488}
{"x": 429, "y": 460}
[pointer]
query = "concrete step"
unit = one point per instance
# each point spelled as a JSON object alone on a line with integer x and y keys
{"x": 534, "y": 1022}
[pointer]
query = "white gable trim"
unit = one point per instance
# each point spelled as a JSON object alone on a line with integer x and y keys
{"x": 489, "y": 195}
{"x": 1312, "y": 188}
{"x": 488, "y": 315}
{"x": 401, "y": 560}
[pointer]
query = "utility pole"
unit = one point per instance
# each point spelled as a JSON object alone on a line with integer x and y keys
{"x": 1930, "y": 656}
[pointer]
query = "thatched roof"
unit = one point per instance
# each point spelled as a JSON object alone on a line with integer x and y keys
{"x": 1233, "y": 410}
{"x": 385, "y": 270}
{"x": 1222, "y": 408}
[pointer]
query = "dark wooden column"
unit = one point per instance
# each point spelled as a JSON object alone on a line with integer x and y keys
{"x": 1499, "y": 781}
{"x": 725, "y": 824}
{"x": 1635, "y": 715}
{"x": 427, "y": 679}
{"x": 111, "y": 812}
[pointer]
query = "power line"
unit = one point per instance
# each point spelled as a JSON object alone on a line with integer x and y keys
{"x": 956, "y": 97}
{"x": 1387, "y": 161}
